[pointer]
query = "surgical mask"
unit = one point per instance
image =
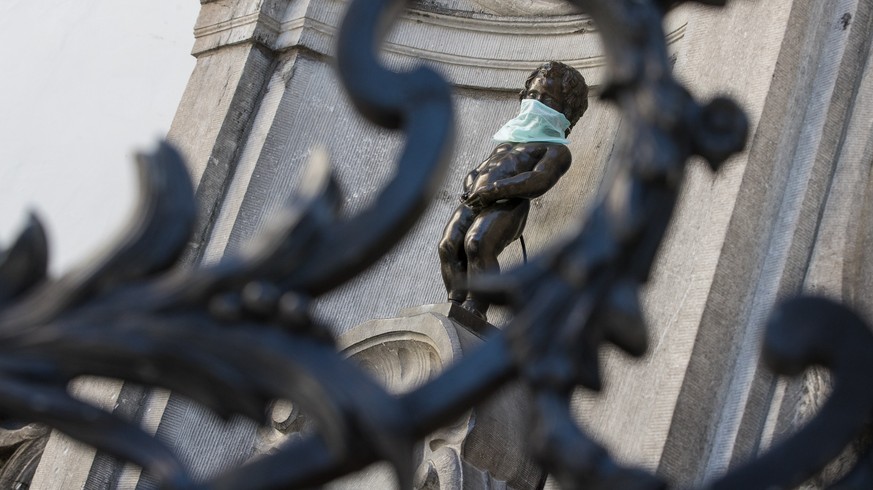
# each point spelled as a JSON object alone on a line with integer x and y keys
{"x": 536, "y": 122}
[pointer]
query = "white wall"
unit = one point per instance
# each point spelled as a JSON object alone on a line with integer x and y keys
{"x": 83, "y": 85}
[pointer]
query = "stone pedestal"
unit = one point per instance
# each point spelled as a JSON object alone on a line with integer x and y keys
{"x": 484, "y": 449}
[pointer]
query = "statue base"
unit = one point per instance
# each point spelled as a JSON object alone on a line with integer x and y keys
{"x": 481, "y": 450}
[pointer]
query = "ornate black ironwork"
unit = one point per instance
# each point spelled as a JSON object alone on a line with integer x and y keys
{"x": 237, "y": 335}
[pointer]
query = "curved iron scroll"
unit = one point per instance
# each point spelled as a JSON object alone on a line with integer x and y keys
{"x": 238, "y": 335}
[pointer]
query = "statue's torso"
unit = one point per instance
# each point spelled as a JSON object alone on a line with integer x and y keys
{"x": 510, "y": 159}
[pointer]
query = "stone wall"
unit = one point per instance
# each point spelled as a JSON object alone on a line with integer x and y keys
{"x": 486, "y": 57}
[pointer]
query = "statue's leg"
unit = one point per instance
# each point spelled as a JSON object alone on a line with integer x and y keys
{"x": 492, "y": 230}
{"x": 453, "y": 258}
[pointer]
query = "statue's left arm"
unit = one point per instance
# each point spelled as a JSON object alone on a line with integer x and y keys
{"x": 534, "y": 183}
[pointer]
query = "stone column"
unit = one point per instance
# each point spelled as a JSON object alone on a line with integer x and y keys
{"x": 793, "y": 211}
{"x": 235, "y": 51}
{"x": 789, "y": 215}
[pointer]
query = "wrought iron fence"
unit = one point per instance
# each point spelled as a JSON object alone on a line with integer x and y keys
{"x": 237, "y": 335}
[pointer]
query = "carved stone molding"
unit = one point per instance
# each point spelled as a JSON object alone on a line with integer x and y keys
{"x": 527, "y": 7}
{"x": 476, "y": 50}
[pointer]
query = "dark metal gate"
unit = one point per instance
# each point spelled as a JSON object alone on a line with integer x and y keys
{"x": 238, "y": 335}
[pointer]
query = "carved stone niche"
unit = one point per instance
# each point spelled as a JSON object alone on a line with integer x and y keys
{"x": 481, "y": 450}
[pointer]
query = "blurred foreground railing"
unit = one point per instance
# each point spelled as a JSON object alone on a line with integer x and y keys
{"x": 237, "y": 335}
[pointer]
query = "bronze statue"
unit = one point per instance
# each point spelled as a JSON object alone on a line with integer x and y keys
{"x": 530, "y": 158}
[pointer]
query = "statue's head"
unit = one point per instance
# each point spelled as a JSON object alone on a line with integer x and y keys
{"x": 560, "y": 87}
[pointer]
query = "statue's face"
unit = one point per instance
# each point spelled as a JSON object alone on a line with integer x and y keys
{"x": 546, "y": 90}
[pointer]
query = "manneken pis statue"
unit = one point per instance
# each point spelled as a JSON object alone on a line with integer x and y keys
{"x": 530, "y": 157}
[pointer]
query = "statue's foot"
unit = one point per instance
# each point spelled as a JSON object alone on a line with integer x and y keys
{"x": 475, "y": 308}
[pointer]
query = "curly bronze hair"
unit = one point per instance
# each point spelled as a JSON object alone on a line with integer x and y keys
{"x": 573, "y": 88}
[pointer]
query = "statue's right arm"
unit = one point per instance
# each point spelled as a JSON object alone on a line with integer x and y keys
{"x": 473, "y": 175}
{"x": 471, "y": 178}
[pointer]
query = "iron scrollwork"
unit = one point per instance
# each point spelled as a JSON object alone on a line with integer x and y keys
{"x": 237, "y": 335}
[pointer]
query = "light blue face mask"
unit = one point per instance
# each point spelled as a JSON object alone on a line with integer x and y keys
{"x": 536, "y": 122}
